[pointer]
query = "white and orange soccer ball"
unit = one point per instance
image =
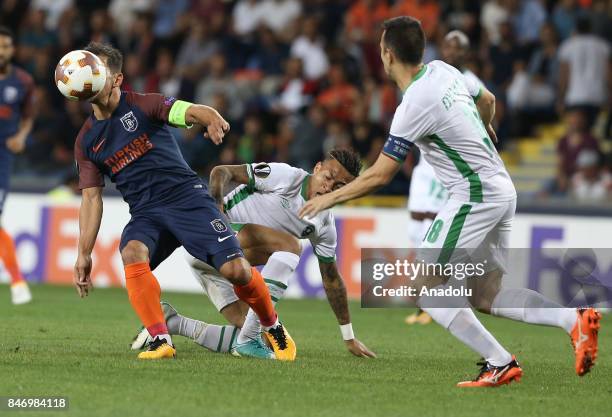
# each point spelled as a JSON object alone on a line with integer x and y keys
{"x": 80, "y": 75}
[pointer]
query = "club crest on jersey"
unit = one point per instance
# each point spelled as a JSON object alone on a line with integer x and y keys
{"x": 219, "y": 226}
{"x": 129, "y": 122}
{"x": 10, "y": 94}
{"x": 307, "y": 231}
{"x": 285, "y": 202}
{"x": 262, "y": 170}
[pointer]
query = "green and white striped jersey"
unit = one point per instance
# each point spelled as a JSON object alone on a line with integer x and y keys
{"x": 439, "y": 115}
{"x": 273, "y": 197}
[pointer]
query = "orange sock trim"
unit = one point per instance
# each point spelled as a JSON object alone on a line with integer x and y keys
{"x": 144, "y": 294}
{"x": 8, "y": 256}
{"x": 257, "y": 296}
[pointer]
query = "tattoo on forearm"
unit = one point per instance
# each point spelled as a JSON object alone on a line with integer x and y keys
{"x": 218, "y": 179}
{"x": 336, "y": 292}
{"x": 223, "y": 175}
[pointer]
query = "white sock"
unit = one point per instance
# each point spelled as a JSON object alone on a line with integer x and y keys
{"x": 466, "y": 327}
{"x": 217, "y": 338}
{"x": 458, "y": 318}
{"x": 210, "y": 336}
{"x": 529, "y": 306}
{"x": 185, "y": 326}
{"x": 164, "y": 336}
{"x": 266, "y": 328}
{"x": 276, "y": 274}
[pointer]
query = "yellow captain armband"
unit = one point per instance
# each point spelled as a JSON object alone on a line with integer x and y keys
{"x": 178, "y": 111}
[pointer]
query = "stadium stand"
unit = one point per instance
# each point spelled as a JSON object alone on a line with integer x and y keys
{"x": 306, "y": 77}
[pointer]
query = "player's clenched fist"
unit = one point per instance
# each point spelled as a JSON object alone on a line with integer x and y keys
{"x": 16, "y": 144}
{"x": 82, "y": 275}
{"x": 216, "y": 126}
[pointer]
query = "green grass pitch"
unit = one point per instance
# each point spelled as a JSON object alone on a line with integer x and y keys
{"x": 60, "y": 345}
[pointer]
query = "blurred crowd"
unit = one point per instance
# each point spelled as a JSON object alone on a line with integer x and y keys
{"x": 297, "y": 78}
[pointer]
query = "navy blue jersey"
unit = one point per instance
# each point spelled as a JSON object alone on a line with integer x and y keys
{"x": 136, "y": 150}
{"x": 16, "y": 93}
{"x": 16, "y": 96}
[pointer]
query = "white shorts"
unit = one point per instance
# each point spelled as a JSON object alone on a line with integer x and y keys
{"x": 417, "y": 230}
{"x": 470, "y": 232}
{"x": 218, "y": 289}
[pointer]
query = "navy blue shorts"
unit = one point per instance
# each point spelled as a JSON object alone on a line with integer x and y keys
{"x": 193, "y": 221}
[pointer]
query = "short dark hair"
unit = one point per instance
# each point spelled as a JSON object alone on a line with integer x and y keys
{"x": 348, "y": 158}
{"x": 5, "y": 31}
{"x": 114, "y": 58}
{"x": 404, "y": 36}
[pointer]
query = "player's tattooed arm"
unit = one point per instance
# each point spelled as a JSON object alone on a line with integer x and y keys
{"x": 222, "y": 175}
{"x": 335, "y": 291}
{"x": 90, "y": 217}
{"x": 338, "y": 300}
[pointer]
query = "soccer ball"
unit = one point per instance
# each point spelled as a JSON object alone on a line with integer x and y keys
{"x": 80, "y": 75}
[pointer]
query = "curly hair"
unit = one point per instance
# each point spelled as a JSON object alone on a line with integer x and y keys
{"x": 348, "y": 158}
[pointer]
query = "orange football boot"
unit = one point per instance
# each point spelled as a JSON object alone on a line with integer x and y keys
{"x": 584, "y": 339}
{"x": 495, "y": 376}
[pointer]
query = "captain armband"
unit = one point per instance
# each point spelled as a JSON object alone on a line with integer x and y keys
{"x": 178, "y": 111}
{"x": 397, "y": 148}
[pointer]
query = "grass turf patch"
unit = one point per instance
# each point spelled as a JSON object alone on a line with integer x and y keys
{"x": 60, "y": 345}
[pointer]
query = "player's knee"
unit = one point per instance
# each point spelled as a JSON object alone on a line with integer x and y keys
{"x": 284, "y": 243}
{"x": 236, "y": 271}
{"x": 483, "y": 300}
{"x": 295, "y": 247}
{"x": 289, "y": 245}
{"x": 134, "y": 252}
{"x": 482, "y": 304}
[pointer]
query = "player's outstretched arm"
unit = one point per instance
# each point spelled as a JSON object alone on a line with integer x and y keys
{"x": 338, "y": 300}
{"x": 216, "y": 126}
{"x": 486, "y": 108}
{"x": 379, "y": 174}
{"x": 222, "y": 175}
{"x": 90, "y": 216}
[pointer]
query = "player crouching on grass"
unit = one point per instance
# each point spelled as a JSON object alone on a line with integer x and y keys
{"x": 127, "y": 139}
{"x": 263, "y": 210}
{"x": 448, "y": 116}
